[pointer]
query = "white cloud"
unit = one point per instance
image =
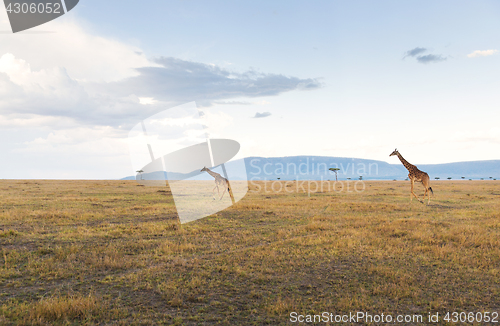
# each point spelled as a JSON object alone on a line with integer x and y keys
{"x": 215, "y": 122}
{"x": 85, "y": 56}
{"x": 73, "y": 94}
{"x": 76, "y": 153}
{"x": 491, "y": 135}
{"x": 48, "y": 92}
{"x": 481, "y": 53}
{"x": 54, "y": 92}
{"x": 147, "y": 100}
{"x": 33, "y": 121}
{"x": 26, "y": 93}
{"x": 79, "y": 141}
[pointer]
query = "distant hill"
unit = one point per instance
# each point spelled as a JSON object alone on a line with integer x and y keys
{"x": 316, "y": 168}
{"x": 469, "y": 170}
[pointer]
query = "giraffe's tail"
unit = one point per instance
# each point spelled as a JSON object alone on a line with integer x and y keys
{"x": 430, "y": 188}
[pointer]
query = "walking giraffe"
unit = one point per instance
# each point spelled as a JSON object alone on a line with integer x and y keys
{"x": 219, "y": 181}
{"x": 414, "y": 174}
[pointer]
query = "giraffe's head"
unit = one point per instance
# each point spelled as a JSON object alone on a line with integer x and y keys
{"x": 204, "y": 169}
{"x": 395, "y": 152}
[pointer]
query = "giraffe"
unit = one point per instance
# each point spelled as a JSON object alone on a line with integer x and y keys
{"x": 414, "y": 174}
{"x": 219, "y": 181}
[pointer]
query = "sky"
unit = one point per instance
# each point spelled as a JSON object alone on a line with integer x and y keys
{"x": 282, "y": 78}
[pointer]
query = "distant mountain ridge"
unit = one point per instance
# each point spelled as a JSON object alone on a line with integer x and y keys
{"x": 317, "y": 168}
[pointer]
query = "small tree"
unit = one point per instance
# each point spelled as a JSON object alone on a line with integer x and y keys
{"x": 360, "y": 177}
{"x": 140, "y": 173}
{"x": 334, "y": 170}
{"x": 449, "y": 178}
{"x": 437, "y": 178}
{"x": 463, "y": 178}
{"x": 348, "y": 178}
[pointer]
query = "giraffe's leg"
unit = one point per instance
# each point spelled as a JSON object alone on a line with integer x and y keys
{"x": 223, "y": 193}
{"x": 412, "y": 193}
{"x": 425, "y": 183}
{"x": 427, "y": 192}
{"x": 229, "y": 191}
{"x": 213, "y": 191}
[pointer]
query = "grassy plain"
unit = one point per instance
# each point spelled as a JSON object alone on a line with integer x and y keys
{"x": 112, "y": 252}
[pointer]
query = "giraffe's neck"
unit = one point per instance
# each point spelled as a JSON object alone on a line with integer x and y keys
{"x": 405, "y": 162}
{"x": 213, "y": 174}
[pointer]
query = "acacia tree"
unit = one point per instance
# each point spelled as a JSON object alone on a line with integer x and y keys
{"x": 140, "y": 173}
{"x": 334, "y": 170}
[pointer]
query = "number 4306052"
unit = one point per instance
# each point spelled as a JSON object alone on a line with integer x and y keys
{"x": 471, "y": 317}
{"x": 33, "y": 8}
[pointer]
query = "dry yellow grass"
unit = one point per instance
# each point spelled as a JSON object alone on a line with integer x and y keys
{"x": 112, "y": 252}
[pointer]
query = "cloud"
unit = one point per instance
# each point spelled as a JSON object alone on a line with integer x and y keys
{"x": 147, "y": 100}
{"x": 491, "y": 135}
{"x": 180, "y": 81}
{"x": 262, "y": 115}
{"x": 216, "y": 122}
{"x": 48, "y": 91}
{"x": 483, "y": 53}
{"x": 83, "y": 55}
{"x": 232, "y": 103}
{"x": 79, "y": 152}
{"x": 429, "y": 58}
{"x": 75, "y": 95}
{"x": 52, "y": 92}
{"x": 263, "y": 102}
{"x": 414, "y": 52}
{"x": 27, "y": 96}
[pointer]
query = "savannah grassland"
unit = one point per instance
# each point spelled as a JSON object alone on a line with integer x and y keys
{"x": 112, "y": 252}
